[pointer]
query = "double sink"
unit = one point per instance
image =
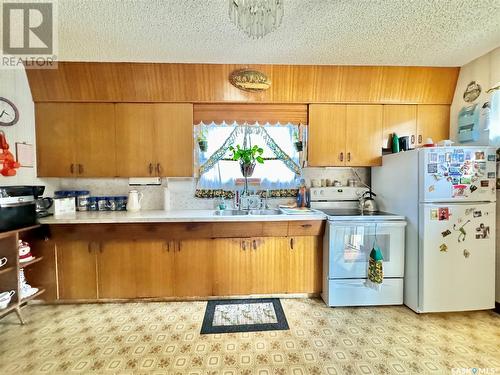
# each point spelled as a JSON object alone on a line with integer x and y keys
{"x": 247, "y": 212}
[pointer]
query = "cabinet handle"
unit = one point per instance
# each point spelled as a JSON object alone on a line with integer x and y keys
{"x": 291, "y": 243}
{"x": 72, "y": 168}
{"x": 244, "y": 245}
{"x": 158, "y": 168}
{"x": 413, "y": 139}
{"x": 150, "y": 168}
{"x": 420, "y": 139}
{"x": 80, "y": 168}
{"x": 348, "y": 156}
{"x": 179, "y": 246}
{"x": 254, "y": 244}
{"x": 167, "y": 246}
{"x": 341, "y": 156}
{"x": 306, "y": 225}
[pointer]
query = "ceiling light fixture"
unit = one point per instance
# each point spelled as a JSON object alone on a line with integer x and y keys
{"x": 256, "y": 18}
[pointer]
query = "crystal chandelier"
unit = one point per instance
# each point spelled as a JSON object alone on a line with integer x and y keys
{"x": 256, "y": 18}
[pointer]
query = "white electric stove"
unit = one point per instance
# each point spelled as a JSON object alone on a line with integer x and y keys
{"x": 349, "y": 238}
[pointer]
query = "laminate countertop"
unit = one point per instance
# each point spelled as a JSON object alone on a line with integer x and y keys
{"x": 160, "y": 216}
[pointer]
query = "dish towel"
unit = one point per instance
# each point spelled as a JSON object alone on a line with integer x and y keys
{"x": 375, "y": 267}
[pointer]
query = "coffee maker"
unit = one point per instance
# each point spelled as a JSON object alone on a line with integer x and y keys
{"x": 42, "y": 204}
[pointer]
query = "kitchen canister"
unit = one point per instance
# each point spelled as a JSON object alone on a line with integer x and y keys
{"x": 110, "y": 203}
{"x": 101, "y": 203}
{"x": 93, "y": 204}
{"x": 121, "y": 202}
{"x": 82, "y": 200}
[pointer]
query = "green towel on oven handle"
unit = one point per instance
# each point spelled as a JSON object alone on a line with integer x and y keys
{"x": 375, "y": 268}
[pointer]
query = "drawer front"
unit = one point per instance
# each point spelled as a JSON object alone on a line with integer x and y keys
{"x": 353, "y": 292}
{"x": 306, "y": 228}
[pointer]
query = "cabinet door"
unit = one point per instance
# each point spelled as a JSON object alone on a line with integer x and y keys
{"x": 76, "y": 263}
{"x": 363, "y": 135}
{"x": 134, "y": 140}
{"x": 269, "y": 264}
{"x": 193, "y": 268}
{"x": 304, "y": 264}
{"x": 95, "y": 139}
{"x": 327, "y": 135}
{"x": 134, "y": 269}
{"x": 173, "y": 139}
{"x": 402, "y": 120}
{"x": 232, "y": 271}
{"x": 55, "y": 137}
{"x": 433, "y": 121}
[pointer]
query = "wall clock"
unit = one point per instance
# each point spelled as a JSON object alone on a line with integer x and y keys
{"x": 9, "y": 115}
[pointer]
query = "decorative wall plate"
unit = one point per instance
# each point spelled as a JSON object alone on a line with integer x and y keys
{"x": 249, "y": 80}
{"x": 472, "y": 92}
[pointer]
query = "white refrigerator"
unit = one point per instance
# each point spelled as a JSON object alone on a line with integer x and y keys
{"x": 447, "y": 195}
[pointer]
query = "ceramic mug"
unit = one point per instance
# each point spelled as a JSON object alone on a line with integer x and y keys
{"x": 5, "y": 298}
{"x": 3, "y": 261}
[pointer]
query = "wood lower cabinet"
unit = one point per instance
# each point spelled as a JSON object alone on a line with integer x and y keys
{"x": 77, "y": 273}
{"x": 128, "y": 269}
{"x": 135, "y": 269}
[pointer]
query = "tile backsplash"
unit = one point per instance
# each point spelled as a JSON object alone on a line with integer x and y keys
{"x": 182, "y": 189}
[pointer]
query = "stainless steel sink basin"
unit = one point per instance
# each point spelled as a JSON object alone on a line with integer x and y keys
{"x": 265, "y": 212}
{"x": 231, "y": 213}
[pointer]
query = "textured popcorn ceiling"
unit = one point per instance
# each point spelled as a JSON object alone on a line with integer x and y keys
{"x": 378, "y": 32}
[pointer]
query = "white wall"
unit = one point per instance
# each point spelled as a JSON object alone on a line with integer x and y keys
{"x": 485, "y": 70}
{"x": 14, "y": 86}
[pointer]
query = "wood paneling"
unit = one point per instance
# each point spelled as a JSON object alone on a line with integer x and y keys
{"x": 232, "y": 268}
{"x": 76, "y": 264}
{"x": 269, "y": 262}
{"x": 399, "y": 119}
{"x": 202, "y": 83}
{"x": 363, "y": 135}
{"x": 433, "y": 121}
{"x": 327, "y": 134}
{"x": 135, "y": 140}
{"x": 251, "y": 113}
{"x": 173, "y": 139}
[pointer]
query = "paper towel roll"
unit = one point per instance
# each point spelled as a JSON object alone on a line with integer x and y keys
{"x": 166, "y": 199}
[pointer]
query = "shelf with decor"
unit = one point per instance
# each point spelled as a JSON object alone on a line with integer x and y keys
{"x": 10, "y": 283}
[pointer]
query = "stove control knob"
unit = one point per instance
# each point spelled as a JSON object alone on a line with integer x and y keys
{"x": 322, "y": 192}
{"x": 315, "y": 192}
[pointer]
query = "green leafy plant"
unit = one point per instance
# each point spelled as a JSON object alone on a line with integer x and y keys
{"x": 247, "y": 155}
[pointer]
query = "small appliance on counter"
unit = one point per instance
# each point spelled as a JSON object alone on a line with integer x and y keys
{"x": 350, "y": 235}
{"x": 17, "y": 207}
{"x": 42, "y": 203}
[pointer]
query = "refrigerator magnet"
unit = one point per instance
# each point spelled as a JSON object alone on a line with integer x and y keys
{"x": 432, "y": 187}
{"x": 432, "y": 168}
{"x": 482, "y": 232}
{"x": 459, "y": 191}
{"x": 477, "y": 213}
{"x": 465, "y": 180}
{"x": 433, "y": 157}
{"x": 446, "y": 233}
{"x": 443, "y": 248}
{"x": 485, "y": 183}
{"x": 461, "y": 229}
{"x": 479, "y": 155}
{"x": 473, "y": 188}
{"x": 491, "y": 175}
{"x": 442, "y": 158}
{"x": 434, "y": 214}
{"x": 492, "y": 158}
{"x": 443, "y": 213}
{"x": 467, "y": 155}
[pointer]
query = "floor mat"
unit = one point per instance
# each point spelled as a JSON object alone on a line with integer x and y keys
{"x": 244, "y": 315}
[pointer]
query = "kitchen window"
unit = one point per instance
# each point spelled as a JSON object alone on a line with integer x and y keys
{"x": 280, "y": 171}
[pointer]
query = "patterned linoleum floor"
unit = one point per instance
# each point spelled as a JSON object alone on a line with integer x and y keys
{"x": 140, "y": 338}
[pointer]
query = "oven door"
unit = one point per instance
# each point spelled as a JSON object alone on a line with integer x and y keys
{"x": 350, "y": 244}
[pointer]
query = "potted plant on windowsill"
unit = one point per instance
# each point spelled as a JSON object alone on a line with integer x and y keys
{"x": 247, "y": 158}
{"x": 299, "y": 146}
{"x": 202, "y": 141}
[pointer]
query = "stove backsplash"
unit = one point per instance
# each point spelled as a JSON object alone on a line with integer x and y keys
{"x": 182, "y": 189}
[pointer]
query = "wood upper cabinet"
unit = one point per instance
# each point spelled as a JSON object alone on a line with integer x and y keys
{"x": 154, "y": 139}
{"x": 75, "y": 139}
{"x": 363, "y": 135}
{"x": 433, "y": 121}
{"x": 134, "y": 140}
{"x": 76, "y": 264}
{"x": 173, "y": 139}
{"x": 344, "y": 135}
{"x": 327, "y": 135}
{"x": 402, "y": 120}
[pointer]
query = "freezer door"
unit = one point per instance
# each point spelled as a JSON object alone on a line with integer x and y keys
{"x": 457, "y": 257}
{"x": 350, "y": 245}
{"x": 456, "y": 174}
